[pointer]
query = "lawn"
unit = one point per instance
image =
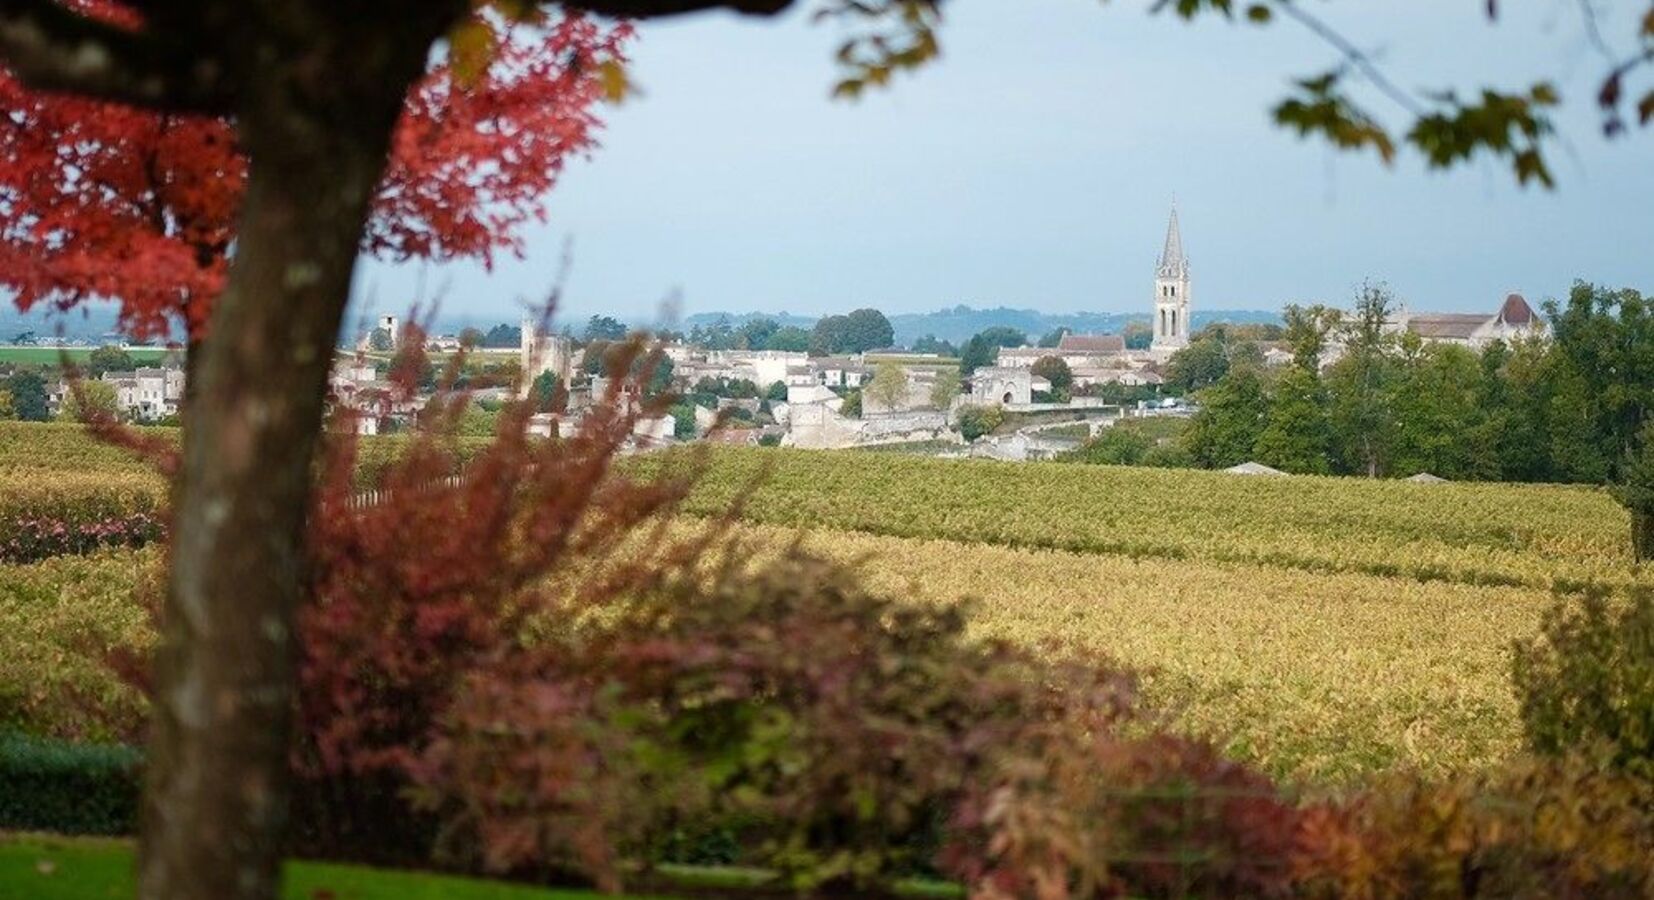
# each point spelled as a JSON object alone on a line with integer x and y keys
{"x": 52, "y": 356}
{"x": 34, "y": 867}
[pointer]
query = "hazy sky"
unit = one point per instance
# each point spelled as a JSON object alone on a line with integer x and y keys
{"x": 1034, "y": 165}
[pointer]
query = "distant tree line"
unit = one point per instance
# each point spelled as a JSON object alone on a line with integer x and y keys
{"x": 1569, "y": 409}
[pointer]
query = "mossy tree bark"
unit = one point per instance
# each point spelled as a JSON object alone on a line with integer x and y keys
{"x": 217, "y": 793}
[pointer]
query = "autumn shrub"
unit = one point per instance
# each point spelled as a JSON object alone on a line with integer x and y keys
{"x": 830, "y": 729}
{"x": 1588, "y": 677}
{"x": 435, "y": 579}
{"x": 1573, "y": 825}
{"x": 1084, "y": 813}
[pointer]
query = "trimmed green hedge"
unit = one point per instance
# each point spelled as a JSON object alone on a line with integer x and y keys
{"x": 67, "y": 788}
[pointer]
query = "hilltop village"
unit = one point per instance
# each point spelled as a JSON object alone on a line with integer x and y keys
{"x": 1001, "y": 394}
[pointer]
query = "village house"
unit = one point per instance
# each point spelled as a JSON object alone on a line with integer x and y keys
{"x": 840, "y": 371}
{"x": 1079, "y": 351}
{"x": 147, "y": 393}
{"x": 1514, "y": 320}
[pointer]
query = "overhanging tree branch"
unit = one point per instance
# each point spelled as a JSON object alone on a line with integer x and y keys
{"x": 655, "y": 9}
{"x": 50, "y": 47}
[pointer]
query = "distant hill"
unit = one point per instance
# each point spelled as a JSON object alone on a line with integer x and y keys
{"x": 959, "y": 323}
{"x": 782, "y": 318}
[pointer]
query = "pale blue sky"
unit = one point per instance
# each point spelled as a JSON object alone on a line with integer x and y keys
{"x": 1033, "y": 166}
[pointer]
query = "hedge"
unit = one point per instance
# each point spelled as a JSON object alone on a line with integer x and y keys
{"x": 67, "y": 788}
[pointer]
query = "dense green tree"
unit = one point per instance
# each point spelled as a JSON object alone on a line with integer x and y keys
{"x": 830, "y": 335}
{"x": 502, "y": 336}
{"x": 471, "y": 337}
{"x": 929, "y": 344}
{"x": 976, "y": 354}
{"x": 1295, "y": 435}
{"x": 755, "y": 334}
{"x": 655, "y": 370}
{"x": 1055, "y": 370}
{"x": 1117, "y": 446}
{"x": 1636, "y": 491}
{"x": 477, "y": 421}
{"x": 1436, "y": 409}
{"x": 1608, "y": 337}
{"x": 1573, "y": 422}
{"x": 776, "y": 393}
{"x": 867, "y": 329}
{"x": 108, "y": 358}
{"x": 1306, "y": 331}
{"x": 543, "y": 393}
{"x": 789, "y": 339}
{"x": 1361, "y": 384}
{"x": 605, "y": 328}
{"x": 857, "y": 332}
{"x": 852, "y": 405}
{"x": 1003, "y": 336}
{"x": 1231, "y": 417}
{"x": 683, "y": 421}
{"x": 1200, "y": 365}
{"x": 380, "y": 340}
{"x": 1054, "y": 337}
{"x": 28, "y": 396}
{"x": 718, "y": 335}
{"x": 977, "y": 421}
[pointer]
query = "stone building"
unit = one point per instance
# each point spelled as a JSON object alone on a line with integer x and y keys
{"x": 147, "y": 393}
{"x": 1002, "y": 386}
{"x": 542, "y": 352}
{"x": 1514, "y": 320}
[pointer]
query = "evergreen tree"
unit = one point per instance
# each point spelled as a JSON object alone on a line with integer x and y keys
{"x": 28, "y": 396}
{"x": 976, "y": 354}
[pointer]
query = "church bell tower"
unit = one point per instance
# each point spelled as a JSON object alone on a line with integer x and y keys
{"x": 1171, "y": 294}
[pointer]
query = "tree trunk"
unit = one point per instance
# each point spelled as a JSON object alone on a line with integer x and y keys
{"x": 217, "y": 793}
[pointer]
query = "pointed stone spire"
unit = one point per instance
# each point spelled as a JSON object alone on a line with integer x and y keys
{"x": 1172, "y": 261}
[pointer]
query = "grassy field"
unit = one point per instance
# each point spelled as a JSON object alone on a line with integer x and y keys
{"x": 52, "y": 356}
{"x": 49, "y": 868}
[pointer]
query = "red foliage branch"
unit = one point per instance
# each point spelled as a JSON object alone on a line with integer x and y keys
{"x": 100, "y": 200}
